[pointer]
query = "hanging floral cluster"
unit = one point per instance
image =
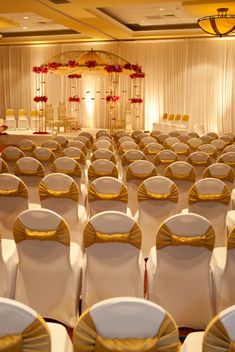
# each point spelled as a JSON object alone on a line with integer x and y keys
{"x": 112, "y": 98}
{"x": 53, "y": 65}
{"x": 40, "y": 99}
{"x": 91, "y": 63}
{"x": 136, "y": 100}
{"x": 74, "y": 99}
{"x": 75, "y": 75}
{"x": 137, "y": 75}
{"x": 113, "y": 68}
{"x": 72, "y": 63}
{"x": 40, "y": 69}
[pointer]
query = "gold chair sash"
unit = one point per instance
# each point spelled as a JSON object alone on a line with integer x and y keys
{"x": 61, "y": 234}
{"x": 12, "y": 157}
{"x": 181, "y": 152}
{"x": 36, "y": 337}
{"x": 49, "y": 158}
{"x": 79, "y": 158}
{"x": 144, "y": 194}
{"x": 132, "y": 175}
{"x": 126, "y": 161}
{"x": 45, "y": 192}
{"x": 55, "y": 148}
{"x": 21, "y": 172}
{"x": 94, "y": 173}
{"x": 158, "y": 161}
{"x": 86, "y": 338}
{"x": 229, "y": 177}
{"x": 198, "y": 162}
{"x": 29, "y": 148}
{"x": 230, "y": 163}
{"x": 94, "y": 195}
{"x": 184, "y": 177}
{"x": 223, "y": 197}
{"x": 112, "y": 158}
{"x": 122, "y": 150}
{"x": 216, "y": 338}
{"x": 148, "y": 151}
{"x": 4, "y": 167}
{"x": 91, "y": 236}
{"x": 166, "y": 238}
{"x": 231, "y": 239}
{"x": 20, "y": 191}
{"x": 75, "y": 172}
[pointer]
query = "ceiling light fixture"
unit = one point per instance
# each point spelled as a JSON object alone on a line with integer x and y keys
{"x": 220, "y": 25}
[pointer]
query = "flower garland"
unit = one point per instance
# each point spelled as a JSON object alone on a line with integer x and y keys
{"x": 74, "y": 99}
{"x": 113, "y": 68}
{"x": 40, "y": 132}
{"x": 75, "y": 75}
{"x": 112, "y": 98}
{"x": 91, "y": 63}
{"x": 40, "y": 99}
{"x": 137, "y": 75}
{"x": 136, "y": 100}
{"x": 40, "y": 69}
{"x": 72, "y": 63}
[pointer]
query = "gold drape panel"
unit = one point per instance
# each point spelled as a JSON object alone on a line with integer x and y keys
{"x": 87, "y": 339}
{"x": 157, "y": 161}
{"x": 21, "y": 172}
{"x": 229, "y": 177}
{"x": 94, "y": 195}
{"x": 223, "y": 197}
{"x": 72, "y": 192}
{"x": 35, "y": 338}
{"x": 198, "y": 162}
{"x": 184, "y": 177}
{"x": 167, "y": 238}
{"x": 144, "y": 194}
{"x": 75, "y": 172}
{"x": 216, "y": 338}
{"x": 91, "y": 236}
{"x": 4, "y": 167}
{"x": 126, "y": 161}
{"x": 21, "y": 191}
{"x": 61, "y": 234}
{"x": 79, "y": 158}
{"x": 132, "y": 175}
{"x": 94, "y": 173}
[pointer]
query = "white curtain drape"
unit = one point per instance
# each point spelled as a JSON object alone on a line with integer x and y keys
{"x": 185, "y": 76}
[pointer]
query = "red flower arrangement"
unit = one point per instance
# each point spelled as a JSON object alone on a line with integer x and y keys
{"x": 128, "y": 66}
{"x": 40, "y": 69}
{"x": 72, "y": 63}
{"x": 137, "y": 75}
{"x": 75, "y": 75}
{"x": 53, "y": 65}
{"x": 3, "y": 128}
{"x": 40, "y": 132}
{"x": 136, "y": 100}
{"x": 74, "y": 99}
{"x": 42, "y": 99}
{"x": 91, "y": 63}
{"x": 137, "y": 68}
{"x": 113, "y": 68}
{"x": 112, "y": 98}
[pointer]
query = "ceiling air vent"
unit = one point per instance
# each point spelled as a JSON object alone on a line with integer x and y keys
{"x": 60, "y": 1}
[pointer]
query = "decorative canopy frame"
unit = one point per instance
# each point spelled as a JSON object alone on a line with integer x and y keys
{"x": 74, "y": 64}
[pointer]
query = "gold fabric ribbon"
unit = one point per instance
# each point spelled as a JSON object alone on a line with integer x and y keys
{"x": 20, "y": 191}
{"x": 61, "y": 234}
{"x": 36, "y": 337}
{"x": 184, "y": 177}
{"x": 45, "y": 192}
{"x": 94, "y": 195}
{"x": 91, "y": 236}
{"x": 75, "y": 172}
{"x": 144, "y": 194}
{"x": 229, "y": 177}
{"x": 79, "y": 158}
{"x": 21, "y": 172}
{"x": 126, "y": 161}
{"x": 4, "y": 167}
{"x": 132, "y": 175}
{"x": 198, "y": 162}
{"x": 166, "y": 238}
{"x": 86, "y": 338}
{"x": 216, "y": 338}
{"x": 223, "y": 197}
{"x": 94, "y": 173}
{"x": 158, "y": 161}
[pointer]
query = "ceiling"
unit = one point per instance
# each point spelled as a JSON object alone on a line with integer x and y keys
{"x": 53, "y": 21}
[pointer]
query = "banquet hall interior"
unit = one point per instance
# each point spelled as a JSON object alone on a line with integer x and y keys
{"x": 117, "y": 199}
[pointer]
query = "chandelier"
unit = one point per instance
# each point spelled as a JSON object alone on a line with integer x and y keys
{"x": 221, "y": 24}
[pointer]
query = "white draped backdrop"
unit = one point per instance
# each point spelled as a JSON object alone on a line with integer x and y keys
{"x": 186, "y": 76}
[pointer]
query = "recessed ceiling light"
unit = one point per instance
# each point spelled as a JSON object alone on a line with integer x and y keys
{"x": 25, "y": 27}
{"x": 161, "y": 9}
{"x": 26, "y": 18}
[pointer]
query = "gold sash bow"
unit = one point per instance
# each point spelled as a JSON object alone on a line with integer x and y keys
{"x": 20, "y": 191}
{"x": 223, "y": 197}
{"x": 34, "y": 338}
{"x": 229, "y": 177}
{"x": 94, "y": 173}
{"x": 191, "y": 176}
{"x": 126, "y": 161}
{"x": 61, "y": 234}
{"x": 21, "y": 172}
{"x": 132, "y": 175}
{"x": 172, "y": 195}
{"x": 86, "y": 338}
{"x": 72, "y": 192}
{"x": 91, "y": 236}
{"x": 75, "y": 172}
{"x": 166, "y": 238}
{"x": 94, "y": 195}
{"x": 216, "y": 338}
